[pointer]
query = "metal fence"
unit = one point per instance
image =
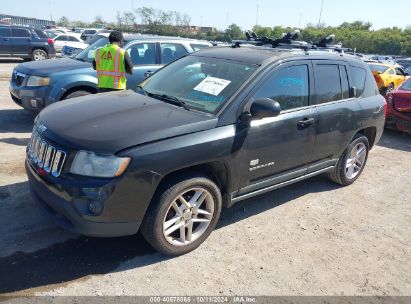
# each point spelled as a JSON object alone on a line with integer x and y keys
{"x": 25, "y": 21}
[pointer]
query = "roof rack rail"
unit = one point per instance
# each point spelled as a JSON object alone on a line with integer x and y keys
{"x": 289, "y": 41}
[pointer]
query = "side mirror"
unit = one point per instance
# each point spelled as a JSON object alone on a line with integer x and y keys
{"x": 353, "y": 92}
{"x": 264, "y": 107}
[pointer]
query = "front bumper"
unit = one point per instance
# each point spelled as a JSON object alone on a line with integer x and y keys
{"x": 399, "y": 122}
{"x": 31, "y": 98}
{"x": 63, "y": 207}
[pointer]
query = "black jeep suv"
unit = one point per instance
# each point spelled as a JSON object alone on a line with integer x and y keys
{"x": 213, "y": 128}
{"x": 25, "y": 42}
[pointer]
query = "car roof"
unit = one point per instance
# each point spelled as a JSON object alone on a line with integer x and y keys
{"x": 263, "y": 55}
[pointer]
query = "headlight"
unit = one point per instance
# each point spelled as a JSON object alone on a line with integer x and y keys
{"x": 36, "y": 81}
{"x": 90, "y": 164}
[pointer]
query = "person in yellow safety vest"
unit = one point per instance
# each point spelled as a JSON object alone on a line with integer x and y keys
{"x": 112, "y": 63}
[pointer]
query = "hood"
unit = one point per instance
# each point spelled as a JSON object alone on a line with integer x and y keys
{"x": 46, "y": 67}
{"x": 107, "y": 123}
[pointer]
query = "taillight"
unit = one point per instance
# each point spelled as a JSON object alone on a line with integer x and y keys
{"x": 50, "y": 41}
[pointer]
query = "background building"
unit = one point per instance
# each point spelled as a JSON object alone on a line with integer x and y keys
{"x": 25, "y": 21}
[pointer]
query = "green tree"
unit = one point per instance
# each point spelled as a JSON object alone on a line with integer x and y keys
{"x": 233, "y": 32}
{"x": 63, "y": 21}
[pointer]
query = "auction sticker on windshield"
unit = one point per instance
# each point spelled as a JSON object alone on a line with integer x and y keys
{"x": 212, "y": 85}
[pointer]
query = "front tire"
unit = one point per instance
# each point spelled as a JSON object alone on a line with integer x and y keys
{"x": 182, "y": 214}
{"x": 77, "y": 94}
{"x": 352, "y": 162}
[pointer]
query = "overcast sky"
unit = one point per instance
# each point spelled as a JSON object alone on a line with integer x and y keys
{"x": 220, "y": 13}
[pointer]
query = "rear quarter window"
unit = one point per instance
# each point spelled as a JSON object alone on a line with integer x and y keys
{"x": 358, "y": 77}
{"x": 40, "y": 34}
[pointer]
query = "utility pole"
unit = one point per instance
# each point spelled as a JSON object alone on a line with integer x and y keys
{"x": 256, "y": 16}
{"x": 51, "y": 13}
{"x": 321, "y": 12}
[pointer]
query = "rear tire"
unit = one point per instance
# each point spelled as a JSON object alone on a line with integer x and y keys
{"x": 182, "y": 214}
{"x": 77, "y": 94}
{"x": 38, "y": 55}
{"x": 352, "y": 162}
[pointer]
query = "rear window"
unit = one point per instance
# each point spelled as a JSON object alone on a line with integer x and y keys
{"x": 358, "y": 76}
{"x": 40, "y": 34}
{"x": 4, "y": 32}
{"x": 20, "y": 33}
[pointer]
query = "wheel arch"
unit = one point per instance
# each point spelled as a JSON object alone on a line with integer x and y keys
{"x": 217, "y": 171}
{"x": 370, "y": 133}
{"x": 87, "y": 88}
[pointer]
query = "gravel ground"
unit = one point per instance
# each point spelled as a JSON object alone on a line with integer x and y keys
{"x": 311, "y": 238}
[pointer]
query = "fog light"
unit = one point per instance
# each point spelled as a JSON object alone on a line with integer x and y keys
{"x": 95, "y": 207}
{"x": 33, "y": 103}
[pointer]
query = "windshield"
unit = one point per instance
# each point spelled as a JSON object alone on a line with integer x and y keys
{"x": 201, "y": 83}
{"x": 406, "y": 86}
{"x": 87, "y": 54}
{"x": 378, "y": 68}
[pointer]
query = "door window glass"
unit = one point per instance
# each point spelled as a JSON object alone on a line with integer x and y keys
{"x": 40, "y": 34}
{"x": 344, "y": 82}
{"x": 171, "y": 52}
{"x": 73, "y": 39}
{"x": 4, "y": 32}
{"x": 288, "y": 86}
{"x": 20, "y": 33}
{"x": 399, "y": 72}
{"x": 327, "y": 83}
{"x": 142, "y": 53}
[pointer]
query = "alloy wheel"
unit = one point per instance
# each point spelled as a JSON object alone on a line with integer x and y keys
{"x": 188, "y": 216}
{"x": 355, "y": 161}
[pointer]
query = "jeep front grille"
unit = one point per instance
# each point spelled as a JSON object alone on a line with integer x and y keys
{"x": 45, "y": 155}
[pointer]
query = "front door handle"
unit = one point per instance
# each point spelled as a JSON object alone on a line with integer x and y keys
{"x": 306, "y": 122}
{"x": 148, "y": 73}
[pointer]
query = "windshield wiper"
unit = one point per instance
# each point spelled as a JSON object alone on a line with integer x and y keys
{"x": 80, "y": 59}
{"x": 166, "y": 97}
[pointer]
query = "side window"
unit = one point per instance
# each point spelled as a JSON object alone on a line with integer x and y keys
{"x": 399, "y": 72}
{"x": 344, "y": 82}
{"x": 61, "y": 38}
{"x": 327, "y": 83}
{"x": 391, "y": 72}
{"x": 73, "y": 39}
{"x": 20, "y": 33}
{"x": 5, "y": 32}
{"x": 142, "y": 53}
{"x": 40, "y": 34}
{"x": 171, "y": 52}
{"x": 289, "y": 86}
{"x": 358, "y": 76}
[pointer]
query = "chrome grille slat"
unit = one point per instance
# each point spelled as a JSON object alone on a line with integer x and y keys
{"x": 45, "y": 155}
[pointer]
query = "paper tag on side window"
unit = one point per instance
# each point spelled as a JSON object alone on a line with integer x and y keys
{"x": 212, "y": 85}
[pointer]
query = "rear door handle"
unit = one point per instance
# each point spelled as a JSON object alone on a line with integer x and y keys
{"x": 306, "y": 122}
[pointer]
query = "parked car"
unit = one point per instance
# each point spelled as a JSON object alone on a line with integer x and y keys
{"x": 387, "y": 77}
{"x": 25, "y": 42}
{"x": 210, "y": 129}
{"x": 399, "y": 108}
{"x": 69, "y": 51}
{"x": 38, "y": 84}
{"x": 88, "y": 33}
{"x": 383, "y": 59}
{"x": 69, "y": 40}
